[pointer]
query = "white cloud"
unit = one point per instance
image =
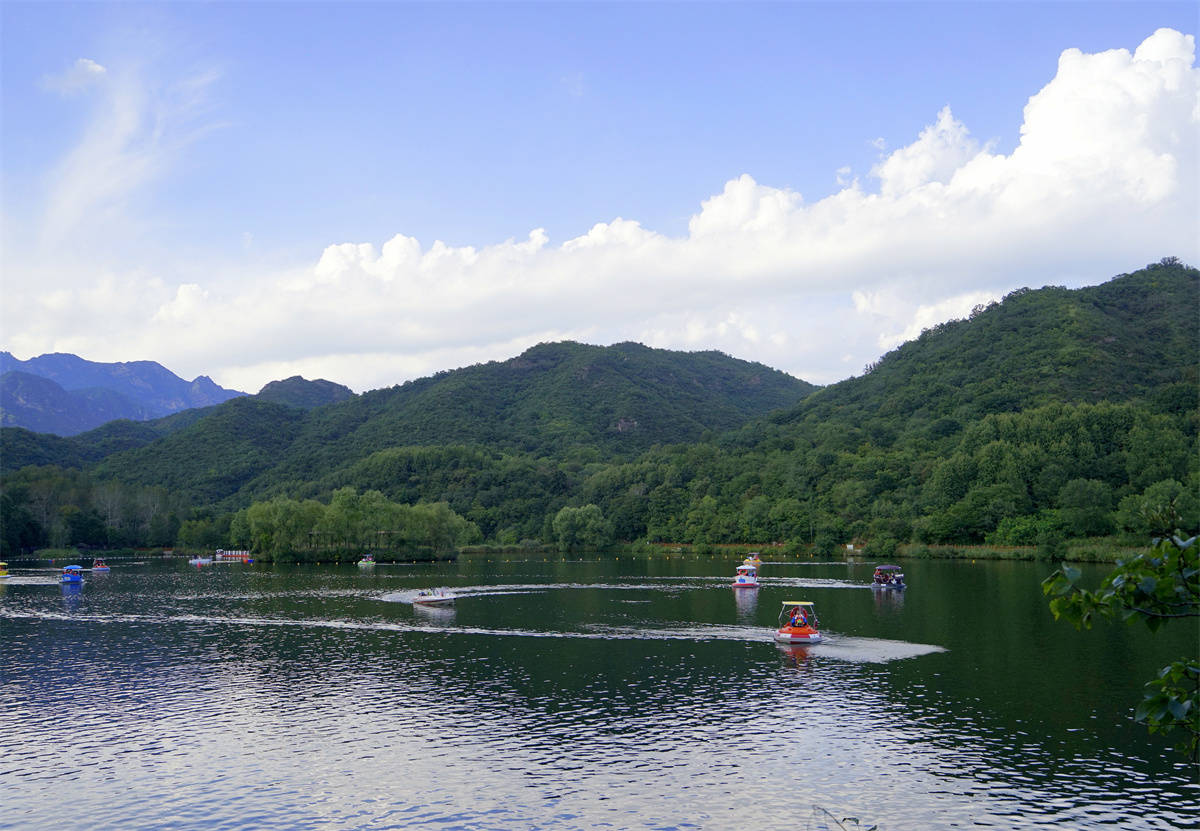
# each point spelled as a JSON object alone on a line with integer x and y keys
{"x": 1102, "y": 181}
{"x": 885, "y": 306}
{"x": 936, "y": 156}
{"x": 185, "y": 308}
{"x": 82, "y": 74}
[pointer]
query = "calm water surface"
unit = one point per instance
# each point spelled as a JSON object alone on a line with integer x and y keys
{"x": 565, "y": 694}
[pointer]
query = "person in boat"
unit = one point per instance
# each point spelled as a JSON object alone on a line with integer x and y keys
{"x": 798, "y": 618}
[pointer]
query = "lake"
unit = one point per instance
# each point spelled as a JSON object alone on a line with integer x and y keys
{"x": 564, "y": 693}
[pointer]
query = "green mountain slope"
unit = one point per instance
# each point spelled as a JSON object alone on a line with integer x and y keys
{"x": 551, "y": 400}
{"x": 305, "y": 394}
{"x": 1118, "y": 341}
{"x": 213, "y": 457}
{"x": 553, "y": 396}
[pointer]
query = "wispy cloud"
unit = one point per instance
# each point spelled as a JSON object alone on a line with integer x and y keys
{"x": 137, "y": 126}
{"x": 79, "y": 76}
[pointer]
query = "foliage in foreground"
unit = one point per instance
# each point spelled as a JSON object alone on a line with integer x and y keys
{"x": 1156, "y": 588}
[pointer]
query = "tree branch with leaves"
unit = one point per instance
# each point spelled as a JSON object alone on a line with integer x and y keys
{"x": 1155, "y": 587}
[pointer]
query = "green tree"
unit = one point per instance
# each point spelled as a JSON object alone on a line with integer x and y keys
{"x": 18, "y": 529}
{"x": 583, "y": 527}
{"x": 1084, "y": 505}
{"x": 1156, "y": 451}
{"x": 85, "y": 527}
{"x": 208, "y": 532}
{"x": 1156, "y": 588}
{"x": 1134, "y": 510}
{"x": 788, "y": 521}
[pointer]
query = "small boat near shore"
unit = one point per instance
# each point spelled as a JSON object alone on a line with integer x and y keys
{"x": 71, "y": 574}
{"x": 798, "y": 623}
{"x": 230, "y": 556}
{"x": 367, "y": 560}
{"x": 3, "y": 570}
{"x": 752, "y": 559}
{"x": 99, "y": 565}
{"x": 888, "y": 577}
{"x": 433, "y": 597}
{"x": 746, "y": 577}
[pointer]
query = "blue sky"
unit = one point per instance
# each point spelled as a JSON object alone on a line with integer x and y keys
{"x": 198, "y": 184}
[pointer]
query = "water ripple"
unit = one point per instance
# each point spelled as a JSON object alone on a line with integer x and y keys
{"x": 163, "y": 702}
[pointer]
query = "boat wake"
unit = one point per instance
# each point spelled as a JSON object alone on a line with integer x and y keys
{"x": 814, "y": 583}
{"x": 407, "y": 595}
{"x": 862, "y": 650}
{"x": 865, "y": 650}
{"x": 661, "y": 584}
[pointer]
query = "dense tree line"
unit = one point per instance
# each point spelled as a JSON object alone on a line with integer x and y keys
{"x": 53, "y": 507}
{"x": 1051, "y": 473}
{"x": 350, "y": 525}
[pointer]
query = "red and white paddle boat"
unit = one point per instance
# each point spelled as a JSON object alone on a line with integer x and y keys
{"x": 798, "y": 623}
{"x": 746, "y": 577}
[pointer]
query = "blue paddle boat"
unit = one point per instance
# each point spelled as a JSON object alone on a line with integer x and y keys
{"x": 71, "y": 574}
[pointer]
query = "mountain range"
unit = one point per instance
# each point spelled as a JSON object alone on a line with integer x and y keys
{"x": 64, "y": 394}
{"x": 551, "y": 398}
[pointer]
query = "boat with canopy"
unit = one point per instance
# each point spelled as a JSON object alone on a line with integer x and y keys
{"x": 746, "y": 577}
{"x": 798, "y": 623}
{"x": 888, "y": 577}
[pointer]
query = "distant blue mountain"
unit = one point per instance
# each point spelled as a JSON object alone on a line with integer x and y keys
{"x": 64, "y": 394}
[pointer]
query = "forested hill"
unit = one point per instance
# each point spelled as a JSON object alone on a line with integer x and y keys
{"x": 1133, "y": 337}
{"x": 556, "y": 396}
{"x": 552, "y": 400}
{"x": 299, "y": 392}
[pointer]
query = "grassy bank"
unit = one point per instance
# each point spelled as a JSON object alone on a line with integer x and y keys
{"x": 86, "y": 556}
{"x": 643, "y": 549}
{"x": 1102, "y": 550}
{"x": 421, "y": 554}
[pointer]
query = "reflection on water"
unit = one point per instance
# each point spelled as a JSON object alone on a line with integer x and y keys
{"x": 888, "y": 599}
{"x": 72, "y": 595}
{"x": 747, "y": 604}
{"x": 568, "y": 695}
{"x": 440, "y": 614}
